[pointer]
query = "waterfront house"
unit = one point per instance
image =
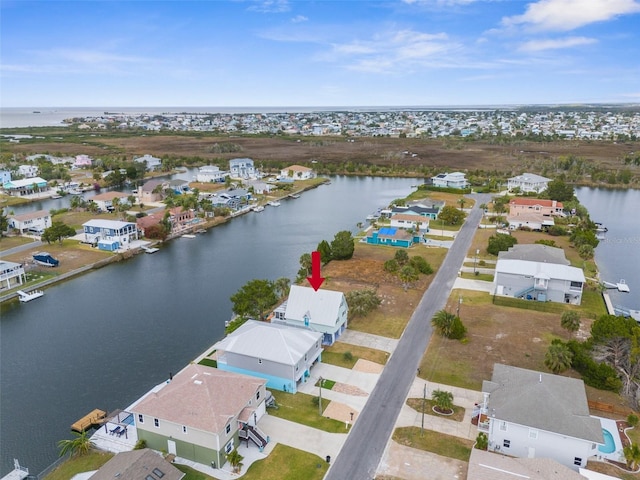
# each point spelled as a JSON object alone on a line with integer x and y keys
{"x": 430, "y": 212}
{"x": 5, "y": 176}
{"x": 232, "y": 198}
{"x": 323, "y": 311}
{"x": 297, "y": 172}
{"x": 535, "y": 252}
{"x": 151, "y": 191}
{"x": 82, "y": 161}
{"x": 261, "y": 188}
{"x": 528, "y": 183}
{"x": 25, "y": 186}
{"x": 450, "y": 180}
{"x": 151, "y": 163}
{"x": 201, "y": 413}
{"x": 28, "y": 171}
{"x": 104, "y": 201}
{"x": 151, "y": 220}
{"x": 544, "y": 207}
{"x": 393, "y": 237}
{"x": 410, "y": 221}
{"x": 532, "y": 414}
{"x": 179, "y": 185}
{"x": 211, "y": 173}
{"x": 31, "y": 222}
{"x": 181, "y": 218}
{"x": 280, "y": 354}
{"x": 530, "y": 220}
{"x": 144, "y": 464}
{"x": 242, "y": 168}
{"x": 541, "y": 281}
{"x": 110, "y": 235}
{"x": 11, "y": 275}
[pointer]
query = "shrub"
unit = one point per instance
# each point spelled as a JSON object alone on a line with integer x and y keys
{"x": 140, "y": 444}
{"x": 391, "y": 266}
{"x": 482, "y": 441}
{"x": 632, "y": 419}
{"x": 348, "y": 356}
{"x": 421, "y": 265}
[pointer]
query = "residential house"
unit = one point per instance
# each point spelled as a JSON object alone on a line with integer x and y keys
{"x": 535, "y": 252}
{"x": 539, "y": 281}
{"x": 297, "y": 172}
{"x": 450, "y": 180}
{"x": 546, "y": 208}
{"x": 25, "y": 186}
{"x": 11, "y": 275}
{"x": 410, "y": 221}
{"x": 323, "y": 311}
{"x": 179, "y": 185}
{"x": 32, "y": 222}
{"x": 83, "y": 161}
{"x": 242, "y": 168}
{"x": 232, "y": 198}
{"x": 5, "y": 176}
{"x": 144, "y": 464}
{"x": 280, "y": 354}
{"x": 181, "y": 218}
{"x": 484, "y": 465}
{"x": 110, "y": 235}
{"x": 393, "y": 236}
{"x": 211, "y": 173}
{"x": 530, "y": 220}
{"x": 528, "y": 183}
{"x": 151, "y": 220}
{"x": 420, "y": 209}
{"x": 152, "y": 163}
{"x": 104, "y": 201}
{"x": 151, "y": 191}
{"x": 28, "y": 171}
{"x": 531, "y": 414}
{"x": 200, "y": 413}
{"x": 261, "y": 188}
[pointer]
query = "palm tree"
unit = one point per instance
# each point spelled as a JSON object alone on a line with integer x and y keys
{"x": 282, "y": 286}
{"x": 558, "y": 358}
{"x": 408, "y": 275}
{"x": 632, "y": 455}
{"x": 235, "y": 460}
{"x": 443, "y": 321}
{"x": 462, "y": 201}
{"x": 80, "y": 445}
{"x": 443, "y": 400}
{"x": 570, "y": 321}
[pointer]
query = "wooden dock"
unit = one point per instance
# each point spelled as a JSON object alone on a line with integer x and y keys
{"x": 91, "y": 419}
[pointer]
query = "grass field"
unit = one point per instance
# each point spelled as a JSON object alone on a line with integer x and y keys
{"x": 301, "y": 408}
{"x": 335, "y": 355}
{"x": 435, "y": 442}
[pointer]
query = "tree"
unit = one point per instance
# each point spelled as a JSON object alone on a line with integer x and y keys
{"x": 361, "y": 302}
{"x": 450, "y": 215}
{"x": 402, "y": 257}
{"x": 80, "y": 445}
{"x": 4, "y": 222}
{"x": 558, "y": 190}
{"x": 235, "y": 460}
{"x": 586, "y": 252}
{"x": 482, "y": 441}
{"x": 342, "y": 246}
{"x": 58, "y": 231}
{"x": 558, "y": 358}
{"x": 281, "y": 286}
{"x": 254, "y": 299}
{"x": 408, "y": 275}
{"x": 391, "y": 266}
{"x": 462, "y": 201}
{"x": 421, "y": 265}
{"x": 325, "y": 251}
{"x": 500, "y": 242}
{"x": 632, "y": 455}
{"x": 305, "y": 266}
{"x": 448, "y": 325}
{"x": 443, "y": 400}
{"x": 570, "y": 321}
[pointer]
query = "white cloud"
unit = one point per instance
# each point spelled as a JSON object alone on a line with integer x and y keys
{"x": 299, "y": 19}
{"x": 555, "y": 44}
{"x": 564, "y": 15}
{"x": 270, "y": 6}
{"x": 445, "y": 3}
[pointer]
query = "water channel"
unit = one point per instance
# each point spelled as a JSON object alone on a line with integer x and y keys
{"x": 103, "y": 339}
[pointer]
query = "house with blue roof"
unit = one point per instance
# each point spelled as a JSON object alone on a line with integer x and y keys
{"x": 110, "y": 235}
{"x": 394, "y": 237}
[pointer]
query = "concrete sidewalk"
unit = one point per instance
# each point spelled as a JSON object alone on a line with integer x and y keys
{"x": 369, "y": 340}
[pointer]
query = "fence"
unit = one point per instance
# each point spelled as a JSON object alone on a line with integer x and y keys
{"x": 607, "y": 407}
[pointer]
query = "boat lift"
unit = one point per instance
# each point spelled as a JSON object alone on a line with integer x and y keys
{"x": 621, "y": 286}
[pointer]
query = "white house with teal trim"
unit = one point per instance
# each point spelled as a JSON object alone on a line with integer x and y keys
{"x": 25, "y": 186}
{"x": 201, "y": 414}
{"x": 450, "y": 180}
{"x": 110, "y": 235}
{"x": 323, "y": 311}
{"x": 280, "y": 354}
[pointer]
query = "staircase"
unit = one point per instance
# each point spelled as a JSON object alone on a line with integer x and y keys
{"x": 522, "y": 293}
{"x": 256, "y": 437}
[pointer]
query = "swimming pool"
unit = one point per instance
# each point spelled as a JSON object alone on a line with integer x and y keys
{"x": 609, "y": 444}
{"x": 128, "y": 420}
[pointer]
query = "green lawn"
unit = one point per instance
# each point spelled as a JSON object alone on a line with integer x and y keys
{"x": 85, "y": 463}
{"x": 301, "y": 408}
{"x": 287, "y": 463}
{"x": 191, "y": 474}
{"x": 416, "y": 404}
{"x": 435, "y": 442}
{"x": 346, "y": 355}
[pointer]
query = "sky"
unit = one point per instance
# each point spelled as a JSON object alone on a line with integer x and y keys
{"x": 279, "y": 53}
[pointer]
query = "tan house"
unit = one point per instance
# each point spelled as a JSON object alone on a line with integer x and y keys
{"x": 297, "y": 172}
{"x": 151, "y": 191}
{"x": 105, "y": 200}
{"x": 32, "y": 222}
{"x": 201, "y": 414}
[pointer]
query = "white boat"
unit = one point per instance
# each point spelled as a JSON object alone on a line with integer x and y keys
{"x": 274, "y": 203}
{"x": 28, "y": 296}
{"x": 189, "y": 235}
{"x": 258, "y": 208}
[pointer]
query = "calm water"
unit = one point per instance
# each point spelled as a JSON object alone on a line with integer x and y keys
{"x": 104, "y": 339}
{"x": 618, "y": 255}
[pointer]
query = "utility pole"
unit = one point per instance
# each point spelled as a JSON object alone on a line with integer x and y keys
{"x": 320, "y": 398}
{"x": 475, "y": 261}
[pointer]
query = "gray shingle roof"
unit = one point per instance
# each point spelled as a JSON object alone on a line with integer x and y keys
{"x": 137, "y": 465}
{"x": 541, "y": 400}
{"x": 534, "y": 252}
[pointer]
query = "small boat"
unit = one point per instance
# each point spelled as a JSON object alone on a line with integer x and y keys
{"x": 56, "y": 196}
{"x": 28, "y": 296}
{"x": 274, "y": 203}
{"x": 189, "y": 235}
{"x": 45, "y": 259}
{"x": 201, "y": 230}
{"x": 294, "y": 195}
{"x": 258, "y": 208}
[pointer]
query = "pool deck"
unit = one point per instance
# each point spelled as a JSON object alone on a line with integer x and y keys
{"x": 617, "y": 455}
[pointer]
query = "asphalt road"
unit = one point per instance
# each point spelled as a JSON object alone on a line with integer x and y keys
{"x": 361, "y": 453}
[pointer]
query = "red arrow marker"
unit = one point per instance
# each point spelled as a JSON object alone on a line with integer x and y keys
{"x": 315, "y": 279}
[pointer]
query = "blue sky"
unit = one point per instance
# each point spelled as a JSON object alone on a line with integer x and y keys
{"x": 318, "y": 53}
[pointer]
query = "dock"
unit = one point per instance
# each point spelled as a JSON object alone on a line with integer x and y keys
{"x": 91, "y": 419}
{"x": 18, "y": 472}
